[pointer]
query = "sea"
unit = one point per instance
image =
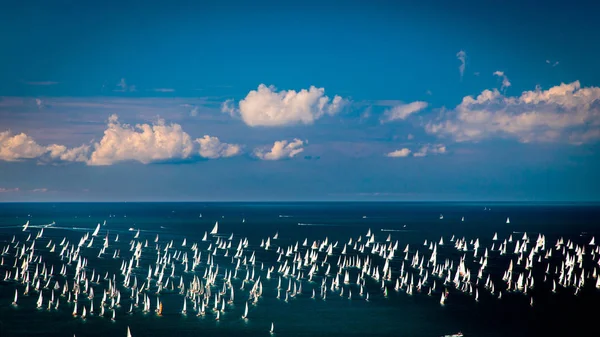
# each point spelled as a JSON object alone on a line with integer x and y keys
{"x": 396, "y": 314}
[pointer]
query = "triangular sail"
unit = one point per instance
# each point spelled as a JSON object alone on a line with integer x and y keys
{"x": 215, "y": 229}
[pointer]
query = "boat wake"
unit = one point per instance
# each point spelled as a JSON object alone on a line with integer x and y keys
{"x": 316, "y": 224}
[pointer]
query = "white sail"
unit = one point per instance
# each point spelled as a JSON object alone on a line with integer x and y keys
{"x": 96, "y": 230}
{"x": 16, "y": 297}
{"x": 215, "y": 229}
{"x": 25, "y": 226}
{"x": 129, "y": 332}
{"x": 272, "y": 328}
{"x": 245, "y": 311}
{"x": 507, "y": 220}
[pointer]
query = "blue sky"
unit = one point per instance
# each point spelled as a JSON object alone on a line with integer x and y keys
{"x": 268, "y": 100}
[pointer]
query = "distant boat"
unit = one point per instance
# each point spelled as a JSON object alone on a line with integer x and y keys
{"x": 16, "y": 297}
{"x": 458, "y": 334}
{"x": 245, "y": 316}
{"x": 507, "y": 220}
{"x": 96, "y": 230}
{"x": 129, "y": 332}
{"x": 441, "y": 216}
{"x": 215, "y": 229}
{"x": 272, "y": 331}
{"x": 463, "y": 219}
{"x": 25, "y": 226}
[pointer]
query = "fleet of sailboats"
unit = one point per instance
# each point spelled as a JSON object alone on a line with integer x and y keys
{"x": 195, "y": 270}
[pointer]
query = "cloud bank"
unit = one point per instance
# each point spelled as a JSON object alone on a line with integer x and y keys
{"x": 21, "y": 146}
{"x": 563, "y": 113}
{"x": 268, "y": 107}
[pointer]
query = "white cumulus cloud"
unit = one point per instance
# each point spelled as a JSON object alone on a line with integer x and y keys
{"x": 399, "y": 153}
{"x": 402, "y": 111}
{"x": 19, "y": 147}
{"x": 566, "y": 112}
{"x": 212, "y": 147}
{"x": 76, "y": 154}
{"x": 144, "y": 143}
{"x": 268, "y": 107}
{"x": 281, "y": 149}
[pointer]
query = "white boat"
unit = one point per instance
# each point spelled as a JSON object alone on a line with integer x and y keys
{"x": 129, "y": 332}
{"x": 507, "y": 220}
{"x": 458, "y": 334}
{"x": 16, "y": 297}
{"x": 215, "y": 229}
{"x": 245, "y": 316}
{"x": 25, "y": 226}
{"x": 441, "y": 216}
{"x": 95, "y": 233}
{"x": 272, "y": 328}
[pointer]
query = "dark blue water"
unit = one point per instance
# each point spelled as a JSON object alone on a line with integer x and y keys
{"x": 398, "y": 314}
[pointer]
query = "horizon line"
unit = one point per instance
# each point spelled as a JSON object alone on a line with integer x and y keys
{"x": 310, "y": 201}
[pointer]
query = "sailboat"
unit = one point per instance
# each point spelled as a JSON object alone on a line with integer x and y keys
{"x": 272, "y": 331}
{"x": 16, "y": 297}
{"x": 129, "y": 332}
{"x": 184, "y": 310}
{"x": 215, "y": 229}
{"x": 507, "y": 220}
{"x": 96, "y": 230}
{"x": 25, "y": 226}
{"x": 458, "y": 334}
{"x": 245, "y": 316}
{"x": 463, "y": 219}
{"x": 441, "y": 216}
